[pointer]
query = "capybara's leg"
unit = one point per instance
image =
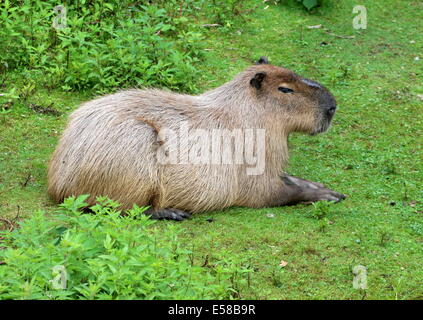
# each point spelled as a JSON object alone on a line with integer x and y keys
{"x": 299, "y": 190}
{"x": 168, "y": 214}
{"x": 304, "y": 182}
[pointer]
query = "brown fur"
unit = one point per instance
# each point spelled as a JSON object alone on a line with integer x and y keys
{"x": 110, "y": 143}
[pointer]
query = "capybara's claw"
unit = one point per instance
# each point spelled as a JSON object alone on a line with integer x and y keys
{"x": 331, "y": 195}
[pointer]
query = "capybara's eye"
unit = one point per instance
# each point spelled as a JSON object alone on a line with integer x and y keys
{"x": 285, "y": 90}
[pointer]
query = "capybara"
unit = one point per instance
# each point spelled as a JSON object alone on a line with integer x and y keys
{"x": 183, "y": 154}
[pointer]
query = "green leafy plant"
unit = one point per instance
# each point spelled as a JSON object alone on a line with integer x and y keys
{"x": 105, "y": 255}
{"x": 320, "y": 209}
{"x": 310, "y": 4}
{"x": 109, "y": 45}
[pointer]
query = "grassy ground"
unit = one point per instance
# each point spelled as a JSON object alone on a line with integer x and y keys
{"x": 372, "y": 153}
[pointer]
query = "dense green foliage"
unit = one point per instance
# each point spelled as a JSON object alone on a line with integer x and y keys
{"x": 106, "y": 256}
{"x": 99, "y": 45}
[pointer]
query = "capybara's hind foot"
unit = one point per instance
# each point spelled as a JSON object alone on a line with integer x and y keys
{"x": 298, "y": 190}
{"x": 168, "y": 214}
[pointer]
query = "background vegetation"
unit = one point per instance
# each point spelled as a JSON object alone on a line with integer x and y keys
{"x": 102, "y": 45}
{"x": 372, "y": 153}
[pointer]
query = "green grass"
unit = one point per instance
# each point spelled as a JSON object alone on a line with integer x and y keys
{"x": 372, "y": 153}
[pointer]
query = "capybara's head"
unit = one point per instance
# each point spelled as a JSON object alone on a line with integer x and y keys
{"x": 305, "y": 105}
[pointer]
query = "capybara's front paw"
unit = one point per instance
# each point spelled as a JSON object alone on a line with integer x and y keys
{"x": 168, "y": 214}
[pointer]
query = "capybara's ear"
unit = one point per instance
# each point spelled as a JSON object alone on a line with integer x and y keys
{"x": 262, "y": 60}
{"x": 257, "y": 80}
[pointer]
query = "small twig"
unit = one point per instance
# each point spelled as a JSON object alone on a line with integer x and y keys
{"x": 327, "y": 31}
{"x": 17, "y": 215}
{"x": 209, "y": 25}
{"x": 181, "y": 8}
{"x": 336, "y": 35}
{"x": 10, "y": 223}
{"x": 28, "y": 178}
{"x": 206, "y": 261}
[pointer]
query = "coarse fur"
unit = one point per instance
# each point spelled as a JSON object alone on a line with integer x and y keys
{"x": 110, "y": 144}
